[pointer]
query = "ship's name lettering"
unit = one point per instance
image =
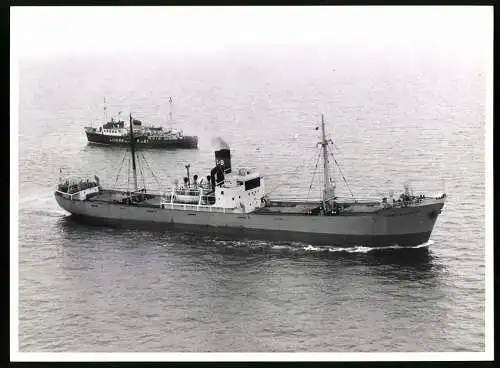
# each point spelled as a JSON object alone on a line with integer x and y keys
{"x": 117, "y": 140}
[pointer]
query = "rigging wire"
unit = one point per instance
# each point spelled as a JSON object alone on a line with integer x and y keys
{"x": 140, "y": 170}
{"x": 152, "y": 162}
{"x": 314, "y": 174}
{"x": 298, "y": 166}
{"x": 150, "y": 168}
{"x": 128, "y": 176}
{"x": 120, "y": 168}
{"x": 342, "y": 174}
{"x": 142, "y": 173}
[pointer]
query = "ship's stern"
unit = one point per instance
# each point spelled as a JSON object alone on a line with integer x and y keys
{"x": 63, "y": 201}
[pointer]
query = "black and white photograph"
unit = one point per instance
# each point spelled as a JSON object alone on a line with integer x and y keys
{"x": 251, "y": 183}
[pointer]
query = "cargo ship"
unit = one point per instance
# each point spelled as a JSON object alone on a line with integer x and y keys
{"x": 234, "y": 202}
{"x": 116, "y": 133}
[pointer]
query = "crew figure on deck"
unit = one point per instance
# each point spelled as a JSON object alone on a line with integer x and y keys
{"x": 208, "y": 183}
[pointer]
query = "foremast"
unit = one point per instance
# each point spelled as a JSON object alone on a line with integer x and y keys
{"x": 170, "y": 111}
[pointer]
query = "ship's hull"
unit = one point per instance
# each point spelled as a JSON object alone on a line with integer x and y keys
{"x": 402, "y": 226}
{"x": 103, "y": 139}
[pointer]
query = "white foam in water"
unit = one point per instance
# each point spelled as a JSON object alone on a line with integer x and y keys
{"x": 423, "y": 245}
{"x": 358, "y": 249}
{"x": 281, "y": 247}
{"x": 49, "y": 212}
{"x": 310, "y": 247}
{"x": 58, "y": 212}
{"x": 364, "y": 249}
{"x": 395, "y": 246}
{"x": 42, "y": 206}
{"x": 262, "y": 243}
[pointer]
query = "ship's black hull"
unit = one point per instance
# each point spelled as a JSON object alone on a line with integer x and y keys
{"x": 102, "y": 139}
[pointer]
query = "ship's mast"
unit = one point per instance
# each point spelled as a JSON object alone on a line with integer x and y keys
{"x": 132, "y": 148}
{"x": 324, "y": 144}
{"x": 328, "y": 189}
{"x": 170, "y": 113}
{"x": 105, "y": 113}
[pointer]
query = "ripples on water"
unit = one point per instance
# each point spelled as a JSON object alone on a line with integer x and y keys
{"x": 85, "y": 288}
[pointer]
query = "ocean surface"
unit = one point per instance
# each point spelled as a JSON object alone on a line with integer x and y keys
{"x": 394, "y": 118}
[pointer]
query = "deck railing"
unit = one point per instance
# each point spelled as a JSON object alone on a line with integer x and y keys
{"x": 195, "y": 207}
{"x": 66, "y": 195}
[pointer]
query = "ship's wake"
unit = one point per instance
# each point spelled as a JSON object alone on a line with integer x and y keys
{"x": 355, "y": 249}
{"x": 47, "y": 213}
{"x": 304, "y": 247}
{"x": 34, "y": 199}
{"x": 40, "y": 206}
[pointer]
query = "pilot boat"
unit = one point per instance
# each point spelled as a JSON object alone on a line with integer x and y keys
{"x": 115, "y": 133}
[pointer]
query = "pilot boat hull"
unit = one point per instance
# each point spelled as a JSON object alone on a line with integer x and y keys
{"x": 186, "y": 141}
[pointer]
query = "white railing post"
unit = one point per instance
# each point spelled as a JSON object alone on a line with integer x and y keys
{"x": 201, "y": 195}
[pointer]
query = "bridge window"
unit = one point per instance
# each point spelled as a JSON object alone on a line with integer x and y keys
{"x": 252, "y": 183}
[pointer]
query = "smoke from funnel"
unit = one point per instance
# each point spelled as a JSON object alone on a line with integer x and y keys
{"x": 220, "y": 143}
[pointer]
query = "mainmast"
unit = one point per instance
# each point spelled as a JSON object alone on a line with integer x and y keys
{"x": 328, "y": 189}
{"x": 132, "y": 147}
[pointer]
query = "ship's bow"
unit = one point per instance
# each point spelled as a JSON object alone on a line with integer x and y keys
{"x": 410, "y": 226}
